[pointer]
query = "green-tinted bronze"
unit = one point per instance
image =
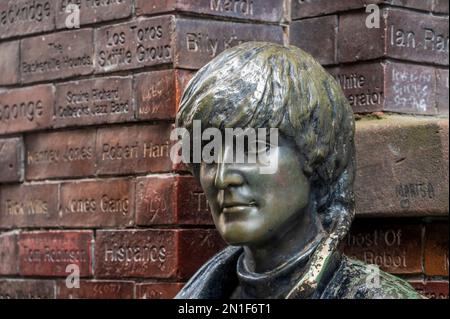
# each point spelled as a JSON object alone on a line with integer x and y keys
{"x": 284, "y": 228}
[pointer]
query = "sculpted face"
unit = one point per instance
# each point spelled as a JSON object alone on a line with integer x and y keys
{"x": 248, "y": 207}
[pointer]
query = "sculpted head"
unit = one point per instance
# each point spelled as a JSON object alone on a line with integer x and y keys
{"x": 262, "y": 85}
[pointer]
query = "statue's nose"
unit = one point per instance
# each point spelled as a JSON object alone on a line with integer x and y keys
{"x": 227, "y": 173}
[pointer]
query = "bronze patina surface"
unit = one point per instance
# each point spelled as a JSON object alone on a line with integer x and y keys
{"x": 285, "y": 228}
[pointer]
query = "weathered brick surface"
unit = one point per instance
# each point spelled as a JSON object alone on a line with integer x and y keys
{"x": 432, "y": 289}
{"x": 105, "y": 100}
{"x": 60, "y": 154}
{"x": 22, "y": 17}
{"x": 9, "y": 62}
{"x": 27, "y": 289}
{"x": 436, "y": 249}
{"x": 157, "y": 290}
{"x": 86, "y": 116}
{"x": 153, "y": 253}
{"x": 9, "y": 254}
{"x": 442, "y": 90}
{"x": 395, "y": 248}
{"x": 170, "y": 199}
{"x": 392, "y": 86}
{"x": 312, "y": 8}
{"x": 402, "y": 35}
{"x": 26, "y": 109}
{"x": 185, "y": 43}
{"x": 401, "y": 167}
{"x": 48, "y": 253}
{"x": 58, "y": 55}
{"x": 29, "y": 205}
{"x": 11, "y": 159}
{"x": 158, "y": 93}
{"x": 101, "y": 203}
{"x": 303, "y": 34}
{"x": 92, "y": 11}
{"x": 440, "y": 6}
{"x": 263, "y": 10}
{"x": 94, "y": 289}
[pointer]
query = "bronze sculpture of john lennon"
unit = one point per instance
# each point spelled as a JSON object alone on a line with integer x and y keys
{"x": 284, "y": 229}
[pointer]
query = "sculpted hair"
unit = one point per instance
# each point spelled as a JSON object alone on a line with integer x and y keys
{"x": 268, "y": 85}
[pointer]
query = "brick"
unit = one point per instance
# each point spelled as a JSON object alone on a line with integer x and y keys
{"x": 57, "y": 56}
{"x": 158, "y": 93}
{"x": 22, "y": 17}
{"x": 101, "y": 203}
{"x": 9, "y": 254}
{"x": 442, "y": 90}
{"x": 171, "y": 200}
{"x": 60, "y": 154}
{"x": 93, "y": 289}
{"x": 389, "y": 86}
{"x": 27, "y": 289}
{"x": 440, "y": 6}
{"x": 98, "y": 101}
{"x": 146, "y": 42}
{"x": 198, "y": 41}
{"x": 9, "y": 62}
{"x": 153, "y": 253}
{"x": 262, "y": 10}
{"x": 134, "y": 149}
{"x": 92, "y": 11}
{"x": 29, "y": 205}
{"x": 313, "y": 8}
{"x": 184, "y": 43}
{"x": 26, "y": 109}
{"x": 436, "y": 249}
{"x": 395, "y": 248}
{"x": 402, "y": 35}
{"x": 48, "y": 253}
{"x": 11, "y": 159}
{"x": 157, "y": 290}
{"x": 317, "y": 36}
{"x": 402, "y": 167}
{"x": 433, "y": 289}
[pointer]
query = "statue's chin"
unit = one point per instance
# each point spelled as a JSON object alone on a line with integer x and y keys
{"x": 240, "y": 233}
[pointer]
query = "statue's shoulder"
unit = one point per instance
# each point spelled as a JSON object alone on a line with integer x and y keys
{"x": 216, "y": 279}
{"x": 357, "y": 280}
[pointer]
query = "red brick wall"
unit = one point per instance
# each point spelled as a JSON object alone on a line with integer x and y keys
{"x": 85, "y": 118}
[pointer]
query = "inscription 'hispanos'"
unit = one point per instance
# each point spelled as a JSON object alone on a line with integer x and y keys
{"x": 142, "y": 253}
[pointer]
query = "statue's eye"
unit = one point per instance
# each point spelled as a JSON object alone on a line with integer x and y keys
{"x": 258, "y": 147}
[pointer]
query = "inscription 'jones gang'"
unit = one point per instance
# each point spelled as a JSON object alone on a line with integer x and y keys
{"x": 97, "y": 203}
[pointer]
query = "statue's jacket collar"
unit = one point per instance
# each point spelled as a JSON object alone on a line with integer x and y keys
{"x": 339, "y": 277}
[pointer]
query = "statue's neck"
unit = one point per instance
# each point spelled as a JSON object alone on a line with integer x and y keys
{"x": 292, "y": 241}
